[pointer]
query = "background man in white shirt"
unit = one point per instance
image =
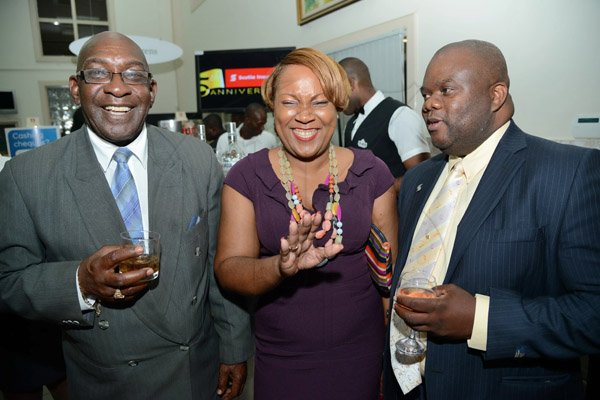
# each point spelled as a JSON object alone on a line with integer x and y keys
{"x": 389, "y": 128}
{"x": 251, "y": 134}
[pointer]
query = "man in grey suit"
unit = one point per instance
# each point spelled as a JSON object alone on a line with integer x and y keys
{"x": 176, "y": 338}
{"x": 519, "y": 270}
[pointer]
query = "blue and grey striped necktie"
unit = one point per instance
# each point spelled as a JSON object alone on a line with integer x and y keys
{"x": 124, "y": 191}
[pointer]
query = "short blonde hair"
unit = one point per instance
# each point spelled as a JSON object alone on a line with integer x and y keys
{"x": 331, "y": 75}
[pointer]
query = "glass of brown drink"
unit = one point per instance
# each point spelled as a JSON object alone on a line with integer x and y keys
{"x": 150, "y": 257}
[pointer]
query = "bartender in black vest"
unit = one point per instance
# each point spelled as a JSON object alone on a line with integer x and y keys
{"x": 389, "y": 128}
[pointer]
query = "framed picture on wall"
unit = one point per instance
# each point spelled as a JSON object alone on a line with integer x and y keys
{"x": 313, "y": 9}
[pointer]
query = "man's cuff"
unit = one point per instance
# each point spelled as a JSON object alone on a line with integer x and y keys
{"x": 85, "y": 303}
{"x": 478, "y": 339}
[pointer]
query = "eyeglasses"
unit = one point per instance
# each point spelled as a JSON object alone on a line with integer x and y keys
{"x": 129, "y": 77}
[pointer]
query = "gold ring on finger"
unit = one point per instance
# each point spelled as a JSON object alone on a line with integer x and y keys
{"x": 118, "y": 295}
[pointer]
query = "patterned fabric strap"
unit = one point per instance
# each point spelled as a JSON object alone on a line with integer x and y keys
{"x": 379, "y": 259}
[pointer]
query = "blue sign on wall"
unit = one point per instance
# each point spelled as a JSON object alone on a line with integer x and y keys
{"x": 19, "y": 140}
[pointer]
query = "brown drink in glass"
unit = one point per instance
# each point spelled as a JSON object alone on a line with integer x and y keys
{"x": 150, "y": 257}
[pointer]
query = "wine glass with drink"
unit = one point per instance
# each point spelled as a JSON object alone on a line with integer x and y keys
{"x": 414, "y": 284}
{"x": 150, "y": 257}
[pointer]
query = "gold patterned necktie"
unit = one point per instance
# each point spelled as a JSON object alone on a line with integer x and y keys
{"x": 428, "y": 242}
{"x": 427, "y": 245}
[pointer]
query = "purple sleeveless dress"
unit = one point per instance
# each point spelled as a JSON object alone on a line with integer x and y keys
{"x": 319, "y": 334}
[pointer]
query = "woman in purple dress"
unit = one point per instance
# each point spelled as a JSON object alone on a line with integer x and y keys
{"x": 294, "y": 224}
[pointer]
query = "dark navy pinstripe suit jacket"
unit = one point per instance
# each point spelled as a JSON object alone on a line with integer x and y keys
{"x": 530, "y": 239}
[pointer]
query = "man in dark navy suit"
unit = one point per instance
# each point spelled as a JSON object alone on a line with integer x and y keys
{"x": 518, "y": 300}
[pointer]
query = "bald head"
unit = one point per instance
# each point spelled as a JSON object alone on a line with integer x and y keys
{"x": 490, "y": 60}
{"x": 255, "y": 118}
{"x": 104, "y": 39}
{"x": 213, "y": 121}
{"x": 214, "y": 126}
{"x": 356, "y": 69}
{"x": 253, "y": 108}
{"x": 360, "y": 82}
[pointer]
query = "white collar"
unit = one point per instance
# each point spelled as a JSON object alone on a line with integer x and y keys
{"x": 104, "y": 150}
{"x": 373, "y": 102}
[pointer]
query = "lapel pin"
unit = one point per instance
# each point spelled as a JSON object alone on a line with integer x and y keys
{"x": 419, "y": 187}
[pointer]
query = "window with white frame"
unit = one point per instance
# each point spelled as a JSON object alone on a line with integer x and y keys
{"x": 56, "y": 23}
{"x": 385, "y": 57}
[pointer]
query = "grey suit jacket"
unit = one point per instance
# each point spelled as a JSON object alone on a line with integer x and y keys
{"x": 530, "y": 239}
{"x": 59, "y": 208}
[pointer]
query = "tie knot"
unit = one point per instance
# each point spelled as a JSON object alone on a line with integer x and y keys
{"x": 122, "y": 155}
{"x": 458, "y": 169}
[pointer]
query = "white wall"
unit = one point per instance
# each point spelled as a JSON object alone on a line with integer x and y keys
{"x": 552, "y": 46}
{"x": 20, "y": 72}
{"x": 151, "y": 18}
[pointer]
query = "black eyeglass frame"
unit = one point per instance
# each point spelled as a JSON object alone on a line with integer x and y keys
{"x": 81, "y": 74}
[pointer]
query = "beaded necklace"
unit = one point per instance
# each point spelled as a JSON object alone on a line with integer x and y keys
{"x": 333, "y": 209}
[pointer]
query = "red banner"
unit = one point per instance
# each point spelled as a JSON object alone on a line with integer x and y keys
{"x": 246, "y": 77}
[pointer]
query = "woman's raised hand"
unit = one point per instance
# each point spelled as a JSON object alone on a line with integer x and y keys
{"x": 298, "y": 250}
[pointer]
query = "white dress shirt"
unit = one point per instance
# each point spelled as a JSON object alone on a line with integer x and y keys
{"x": 138, "y": 166}
{"x": 3, "y": 161}
{"x": 264, "y": 140}
{"x": 406, "y": 128}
